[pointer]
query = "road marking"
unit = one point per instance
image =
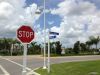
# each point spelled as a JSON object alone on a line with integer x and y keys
{"x": 4, "y": 71}
{"x": 29, "y": 69}
{"x": 32, "y": 72}
{"x": 15, "y": 63}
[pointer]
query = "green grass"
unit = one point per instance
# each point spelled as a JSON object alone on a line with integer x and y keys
{"x": 73, "y": 68}
{"x": 72, "y": 54}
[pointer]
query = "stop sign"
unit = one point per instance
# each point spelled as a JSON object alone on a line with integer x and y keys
{"x": 25, "y": 34}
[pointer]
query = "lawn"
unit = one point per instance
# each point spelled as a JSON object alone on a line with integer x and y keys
{"x": 73, "y": 68}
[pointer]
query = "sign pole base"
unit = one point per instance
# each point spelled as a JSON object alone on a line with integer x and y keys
{"x": 24, "y": 72}
{"x": 44, "y": 67}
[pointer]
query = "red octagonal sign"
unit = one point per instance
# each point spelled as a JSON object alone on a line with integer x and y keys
{"x": 25, "y": 34}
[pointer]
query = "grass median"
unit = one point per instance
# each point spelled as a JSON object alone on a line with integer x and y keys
{"x": 73, "y": 68}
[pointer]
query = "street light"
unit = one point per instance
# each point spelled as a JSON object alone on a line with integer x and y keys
{"x": 38, "y": 11}
{"x": 44, "y": 66}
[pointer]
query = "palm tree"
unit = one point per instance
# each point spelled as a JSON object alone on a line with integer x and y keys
{"x": 1, "y": 44}
{"x": 5, "y": 42}
{"x": 76, "y": 48}
{"x": 9, "y": 44}
{"x": 89, "y": 43}
{"x": 83, "y": 47}
{"x": 34, "y": 48}
{"x": 95, "y": 40}
{"x": 58, "y": 47}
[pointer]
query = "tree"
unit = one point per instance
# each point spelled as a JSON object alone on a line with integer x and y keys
{"x": 88, "y": 44}
{"x": 58, "y": 47}
{"x": 9, "y": 40}
{"x": 1, "y": 44}
{"x": 5, "y": 45}
{"x": 83, "y": 47}
{"x": 95, "y": 40}
{"x": 52, "y": 47}
{"x": 76, "y": 48}
{"x": 34, "y": 48}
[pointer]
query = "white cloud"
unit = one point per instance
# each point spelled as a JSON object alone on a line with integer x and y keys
{"x": 13, "y": 14}
{"x": 71, "y": 7}
{"x": 79, "y": 19}
{"x": 75, "y": 16}
{"x": 6, "y": 10}
{"x": 55, "y": 29}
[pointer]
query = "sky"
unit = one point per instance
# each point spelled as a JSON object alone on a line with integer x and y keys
{"x": 74, "y": 20}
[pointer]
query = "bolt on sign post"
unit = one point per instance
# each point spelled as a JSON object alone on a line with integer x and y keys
{"x": 25, "y": 35}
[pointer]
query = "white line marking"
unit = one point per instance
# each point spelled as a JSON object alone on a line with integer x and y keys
{"x": 15, "y": 63}
{"x": 20, "y": 66}
{"x": 32, "y": 72}
{"x": 4, "y": 71}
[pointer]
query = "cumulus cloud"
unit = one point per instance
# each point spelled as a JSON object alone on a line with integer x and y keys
{"x": 14, "y": 13}
{"x": 71, "y": 7}
{"x": 80, "y": 19}
{"x": 6, "y": 10}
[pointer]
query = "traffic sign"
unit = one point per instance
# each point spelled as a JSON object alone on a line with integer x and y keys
{"x": 25, "y": 34}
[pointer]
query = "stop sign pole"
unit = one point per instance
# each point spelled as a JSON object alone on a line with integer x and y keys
{"x": 24, "y": 60}
{"x": 25, "y": 35}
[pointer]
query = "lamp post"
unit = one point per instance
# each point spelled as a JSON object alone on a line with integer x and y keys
{"x": 44, "y": 66}
{"x": 44, "y": 51}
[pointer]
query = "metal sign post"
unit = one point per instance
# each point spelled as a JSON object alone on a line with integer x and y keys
{"x": 25, "y": 35}
{"x": 24, "y": 59}
{"x": 50, "y": 37}
{"x": 48, "y": 53}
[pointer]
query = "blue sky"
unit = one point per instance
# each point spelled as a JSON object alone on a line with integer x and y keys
{"x": 50, "y": 4}
{"x": 75, "y": 20}
{"x": 55, "y": 21}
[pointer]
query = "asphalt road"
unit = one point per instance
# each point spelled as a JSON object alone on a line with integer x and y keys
{"x": 13, "y": 65}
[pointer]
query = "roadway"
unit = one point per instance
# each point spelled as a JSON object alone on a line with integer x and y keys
{"x": 12, "y": 65}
